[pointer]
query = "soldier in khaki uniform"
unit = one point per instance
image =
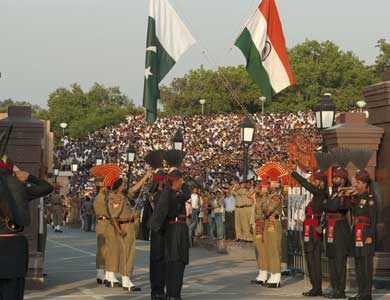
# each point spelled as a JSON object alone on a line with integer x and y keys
{"x": 259, "y": 220}
{"x": 243, "y": 212}
{"x": 57, "y": 208}
{"x": 273, "y": 234}
{"x": 121, "y": 242}
{"x": 102, "y": 222}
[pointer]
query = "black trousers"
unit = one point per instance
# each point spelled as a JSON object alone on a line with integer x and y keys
{"x": 157, "y": 276}
{"x": 313, "y": 260}
{"x": 230, "y": 225}
{"x": 364, "y": 274}
{"x": 12, "y": 289}
{"x": 338, "y": 272}
{"x": 88, "y": 222}
{"x": 174, "y": 275}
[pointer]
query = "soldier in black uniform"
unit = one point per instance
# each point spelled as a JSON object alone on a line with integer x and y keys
{"x": 338, "y": 232}
{"x": 312, "y": 225}
{"x": 17, "y": 188}
{"x": 170, "y": 215}
{"x": 364, "y": 215}
{"x": 157, "y": 261}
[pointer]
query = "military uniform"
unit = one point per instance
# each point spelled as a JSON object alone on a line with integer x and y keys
{"x": 258, "y": 238}
{"x": 102, "y": 222}
{"x": 243, "y": 213}
{"x": 273, "y": 239}
{"x": 88, "y": 214}
{"x": 364, "y": 211}
{"x": 56, "y": 209}
{"x": 338, "y": 242}
{"x": 14, "y": 215}
{"x": 312, "y": 238}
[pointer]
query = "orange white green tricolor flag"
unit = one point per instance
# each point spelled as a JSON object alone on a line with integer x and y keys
{"x": 263, "y": 45}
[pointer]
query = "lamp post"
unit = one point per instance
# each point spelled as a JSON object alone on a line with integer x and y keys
{"x": 202, "y": 102}
{"x": 262, "y": 99}
{"x": 99, "y": 159}
{"x": 247, "y": 130}
{"x": 178, "y": 141}
{"x": 325, "y": 111}
{"x": 130, "y": 156}
{"x": 74, "y": 166}
{"x": 361, "y": 104}
{"x": 63, "y": 126}
{"x": 56, "y": 172}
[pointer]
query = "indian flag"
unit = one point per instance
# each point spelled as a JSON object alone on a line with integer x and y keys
{"x": 263, "y": 45}
{"x": 167, "y": 39}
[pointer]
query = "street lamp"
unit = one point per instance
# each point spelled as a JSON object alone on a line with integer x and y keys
{"x": 63, "y": 126}
{"x": 361, "y": 104}
{"x": 56, "y": 172}
{"x": 262, "y": 99}
{"x": 99, "y": 159}
{"x": 74, "y": 166}
{"x": 178, "y": 141}
{"x": 130, "y": 156}
{"x": 202, "y": 102}
{"x": 325, "y": 111}
{"x": 247, "y": 130}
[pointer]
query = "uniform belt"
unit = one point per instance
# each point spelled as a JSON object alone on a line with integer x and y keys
{"x": 8, "y": 234}
{"x": 102, "y": 218}
{"x": 181, "y": 219}
{"x": 335, "y": 216}
{"x": 242, "y": 206}
{"x": 125, "y": 221}
{"x": 313, "y": 217}
{"x": 361, "y": 219}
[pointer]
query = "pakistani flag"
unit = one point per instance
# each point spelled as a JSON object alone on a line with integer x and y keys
{"x": 263, "y": 45}
{"x": 168, "y": 38}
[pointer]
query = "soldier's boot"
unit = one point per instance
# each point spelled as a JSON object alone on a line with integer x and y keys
{"x": 261, "y": 278}
{"x": 128, "y": 285}
{"x": 112, "y": 281}
{"x": 100, "y": 276}
{"x": 274, "y": 281}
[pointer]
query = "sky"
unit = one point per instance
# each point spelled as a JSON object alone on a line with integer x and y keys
{"x": 47, "y": 44}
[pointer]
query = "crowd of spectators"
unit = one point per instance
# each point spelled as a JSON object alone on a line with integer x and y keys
{"x": 214, "y": 154}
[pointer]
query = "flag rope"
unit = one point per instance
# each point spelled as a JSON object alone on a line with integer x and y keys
{"x": 225, "y": 81}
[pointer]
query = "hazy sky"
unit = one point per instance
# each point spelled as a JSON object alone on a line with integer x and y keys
{"x": 46, "y": 44}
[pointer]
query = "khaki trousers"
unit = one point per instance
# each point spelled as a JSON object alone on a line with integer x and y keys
{"x": 273, "y": 242}
{"x": 113, "y": 250}
{"x": 242, "y": 223}
{"x": 101, "y": 227}
{"x": 127, "y": 256}
{"x": 261, "y": 252}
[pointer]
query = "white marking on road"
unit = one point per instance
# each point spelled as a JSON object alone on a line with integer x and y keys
{"x": 70, "y": 247}
{"x": 88, "y": 292}
{"x": 67, "y": 258}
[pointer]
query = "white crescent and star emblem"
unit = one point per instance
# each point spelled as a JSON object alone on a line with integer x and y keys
{"x": 152, "y": 48}
{"x": 148, "y": 73}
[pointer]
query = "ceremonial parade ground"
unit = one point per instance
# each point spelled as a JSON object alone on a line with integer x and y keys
{"x": 70, "y": 265}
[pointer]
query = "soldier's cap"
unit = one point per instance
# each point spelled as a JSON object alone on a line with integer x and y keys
{"x": 110, "y": 173}
{"x": 155, "y": 159}
{"x": 341, "y": 156}
{"x": 340, "y": 172}
{"x": 117, "y": 184}
{"x": 324, "y": 161}
{"x": 175, "y": 174}
{"x": 360, "y": 158}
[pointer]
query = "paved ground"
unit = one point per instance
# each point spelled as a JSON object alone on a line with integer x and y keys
{"x": 70, "y": 265}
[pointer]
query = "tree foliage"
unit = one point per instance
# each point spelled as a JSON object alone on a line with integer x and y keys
{"x": 85, "y": 112}
{"x": 319, "y": 67}
{"x": 382, "y": 62}
{"x": 9, "y": 102}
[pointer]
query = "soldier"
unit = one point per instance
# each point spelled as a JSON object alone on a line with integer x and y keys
{"x": 170, "y": 215}
{"x": 243, "y": 212}
{"x": 364, "y": 215}
{"x": 122, "y": 217}
{"x": 157, "y": 259}
{"x": 312, "y": 223}
{"x": 258, "y": 232}
{"x": 57, "y": 208}
{"x": 88, "y": 213}
{"x": 273, "y": 234}
{"x": 17, "y": 188}
{"x": 102, "y": 222}
{"x": 338, "y": 235}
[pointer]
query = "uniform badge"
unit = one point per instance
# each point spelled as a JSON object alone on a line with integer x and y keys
{"x": 362, "y": 202}
{"x": 371, "y": 202}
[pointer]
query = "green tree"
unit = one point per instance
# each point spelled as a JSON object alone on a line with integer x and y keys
{"x": 382, "y": 62}
{"x": 85, "y": 112}
{"x": 9, "y": 102}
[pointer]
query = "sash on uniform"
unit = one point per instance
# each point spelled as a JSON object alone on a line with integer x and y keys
{"x": 359, "y": 227}
{"x": 259, "y": 227}
{"x": 307, "y": 224}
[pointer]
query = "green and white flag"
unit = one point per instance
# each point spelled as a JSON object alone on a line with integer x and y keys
{"x": 167, "y": 40}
